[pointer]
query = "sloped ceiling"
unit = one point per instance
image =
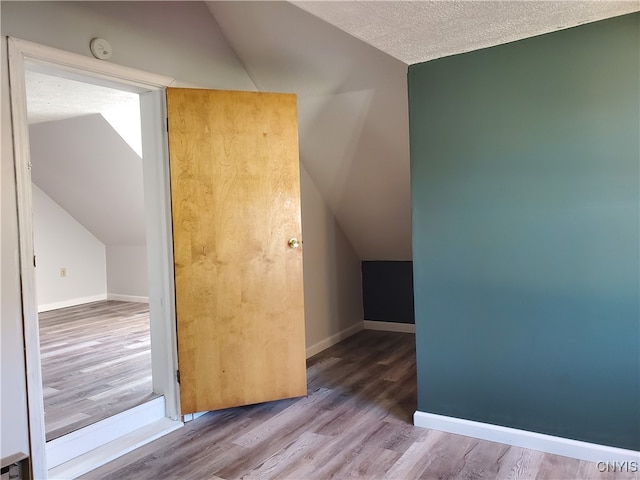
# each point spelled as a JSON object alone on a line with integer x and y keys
{"x": 352, "y": 108}
{"x": 92, "y": 173}
{"x": 347, "y": 61}
{"x": 85, "y": 141}
{"x": 55, "y": 98}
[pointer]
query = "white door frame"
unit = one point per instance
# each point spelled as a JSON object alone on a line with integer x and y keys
{"x": 151, "y": 87}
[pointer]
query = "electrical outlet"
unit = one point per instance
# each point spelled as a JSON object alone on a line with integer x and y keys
{"x": 63, "y": 272}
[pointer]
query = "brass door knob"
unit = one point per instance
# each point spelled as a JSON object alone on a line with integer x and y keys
{"x": 294, "y": 243}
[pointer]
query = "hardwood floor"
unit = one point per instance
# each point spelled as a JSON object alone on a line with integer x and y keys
{"x": 96, "y": 362}
{"x": 354, "y": 423}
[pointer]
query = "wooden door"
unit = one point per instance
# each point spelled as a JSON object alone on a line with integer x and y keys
{"x": 235, "y": 192}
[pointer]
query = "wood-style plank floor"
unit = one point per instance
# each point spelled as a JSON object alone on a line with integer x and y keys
{"x": 354, "y": 423}
{"x": 96, "y": 362}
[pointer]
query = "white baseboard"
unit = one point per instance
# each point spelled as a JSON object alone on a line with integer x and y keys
{"x": 189, "y": 417}
{"x": 333, "y": 339}
{"x": 112, "y": 450}
{"x": 389, "y": 326}
{"x": 71, "y": 302}
{"x": 591, "y": 452}
{"x": 81, "y": 441}
{"x": 127, "y": 298}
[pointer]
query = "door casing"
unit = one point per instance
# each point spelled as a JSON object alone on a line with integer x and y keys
{"x": 27, "y": 55}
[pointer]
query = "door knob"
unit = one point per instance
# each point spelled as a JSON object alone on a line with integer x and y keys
{"x": 294, "y": 243}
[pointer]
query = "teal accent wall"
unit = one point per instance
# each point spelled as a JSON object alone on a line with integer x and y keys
{"x": 525, "y": 188}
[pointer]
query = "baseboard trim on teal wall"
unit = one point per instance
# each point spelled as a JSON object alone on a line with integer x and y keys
{"x": 521, "y": 438}
{"x": 390, "y": 326}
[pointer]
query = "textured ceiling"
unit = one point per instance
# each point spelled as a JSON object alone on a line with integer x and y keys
{"x": 55, "y": 98}
{"x": 417, "y": 31}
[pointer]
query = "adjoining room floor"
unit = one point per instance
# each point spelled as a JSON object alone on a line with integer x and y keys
{"x": 96, "y": 362}
{"x": 354, "y": 423}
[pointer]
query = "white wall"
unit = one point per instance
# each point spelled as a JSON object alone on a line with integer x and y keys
{"x": 177, "y": 39}
{"x": 181, "y": 40}
{"x": 332, "y": 273}
{"x": 88, "y": 169}
{"x": 127, "y": 272}
{"x": 61, "y": 242}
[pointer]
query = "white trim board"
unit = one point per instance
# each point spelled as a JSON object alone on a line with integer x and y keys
{"x": 20, "y": 131}
{"x": 95, "y": 298}
{"x": 389, "y": 326}
{"x": 79, "y": 442}
{"x": 366, "y": 325}
{"x": 127, "y": 298}
{"x": 112, "y": 450}
{"x": 77, "y": 67}
{"x": 591, "y": 452}
{"x": 71, "y": 302}
{"x": 189, "y": 417}
{"x": 333, "y": 339}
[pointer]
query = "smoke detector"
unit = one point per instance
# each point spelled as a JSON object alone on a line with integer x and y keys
{"x": 100, "y": 48}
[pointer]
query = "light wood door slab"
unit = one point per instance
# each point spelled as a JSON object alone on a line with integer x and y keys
{"x": 235, "y": 191}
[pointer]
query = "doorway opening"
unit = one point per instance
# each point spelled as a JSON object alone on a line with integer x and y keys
{"x": 90, "y": 245}
{"x": 82, "y": 450}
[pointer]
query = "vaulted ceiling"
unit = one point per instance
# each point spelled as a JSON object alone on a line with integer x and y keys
{"x": 347, "y": 61}
{"x": 109, "y": 199}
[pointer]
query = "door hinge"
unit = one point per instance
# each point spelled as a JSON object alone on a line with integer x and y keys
{"x": 178, "y": 375}
{"x": 34, "y": 261}
{"x": 167, "y": 124}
